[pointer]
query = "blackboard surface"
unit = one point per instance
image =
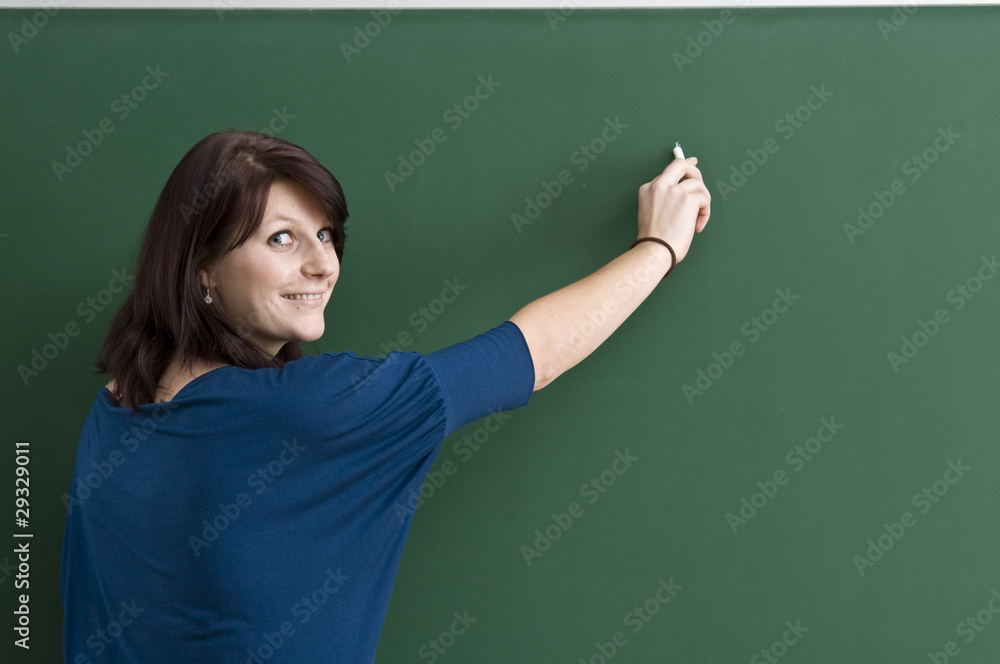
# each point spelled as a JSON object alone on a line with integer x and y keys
{"x": 787, "y": 454}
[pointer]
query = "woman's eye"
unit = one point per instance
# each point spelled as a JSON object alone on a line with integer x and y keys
{"x": 275, "y": 239}
{"x": 326, "y": 235}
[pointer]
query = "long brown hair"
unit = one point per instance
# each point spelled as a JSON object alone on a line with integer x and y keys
{"x": 211, "y": 204}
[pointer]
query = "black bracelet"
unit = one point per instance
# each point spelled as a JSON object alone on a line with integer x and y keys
{"x": 673, "y": 256}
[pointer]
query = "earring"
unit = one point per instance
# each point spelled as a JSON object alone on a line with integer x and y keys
{"x": 208, "y": 298}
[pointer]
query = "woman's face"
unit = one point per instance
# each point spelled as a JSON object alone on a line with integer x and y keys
{"x": 276, "y": 284}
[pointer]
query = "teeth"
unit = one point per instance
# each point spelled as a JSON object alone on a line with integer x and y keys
{"x": 302, "y": 297}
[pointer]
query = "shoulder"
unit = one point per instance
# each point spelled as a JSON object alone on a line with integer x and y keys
{"x": 175, "y": 378}
{"x": 358, "y": 374}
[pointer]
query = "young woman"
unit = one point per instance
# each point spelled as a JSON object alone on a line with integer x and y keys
{"x": 233, "y": 500}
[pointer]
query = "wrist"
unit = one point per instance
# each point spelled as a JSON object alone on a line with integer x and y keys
{"x": 660, "y": 248}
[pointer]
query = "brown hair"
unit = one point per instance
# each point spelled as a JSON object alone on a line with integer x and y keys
{"x": 211, "y": 204}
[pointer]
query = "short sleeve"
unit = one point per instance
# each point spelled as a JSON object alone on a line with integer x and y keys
{"x": 486, "y": 374}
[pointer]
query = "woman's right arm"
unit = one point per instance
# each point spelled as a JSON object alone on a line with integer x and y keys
{"x": 566, "y": 326}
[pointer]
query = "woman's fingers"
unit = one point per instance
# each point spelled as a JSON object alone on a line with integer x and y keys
{"x": 674, "y": 205}
{"x": 679, "y": 169}
{"x": 703, "y": 216}
{"x": 705, "y": 209}
{"x": 698, "y": 186}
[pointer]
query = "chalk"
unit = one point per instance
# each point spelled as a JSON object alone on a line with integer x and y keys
{"x": 678, "y": 153}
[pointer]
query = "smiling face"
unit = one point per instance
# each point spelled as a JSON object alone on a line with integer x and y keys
{"x": 277, "y": 283}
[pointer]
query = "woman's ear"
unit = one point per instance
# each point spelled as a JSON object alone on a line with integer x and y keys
{"x": 206, "y": 274}
{"x": 204, "y": 278}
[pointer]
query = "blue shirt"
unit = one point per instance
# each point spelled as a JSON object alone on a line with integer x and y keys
{"x": 260, "y": 515}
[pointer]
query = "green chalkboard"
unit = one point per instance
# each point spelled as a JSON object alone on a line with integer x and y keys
{"x": 788, "y": 453}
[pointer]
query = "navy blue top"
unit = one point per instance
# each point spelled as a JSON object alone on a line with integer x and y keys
{"x": 256, "y": 516}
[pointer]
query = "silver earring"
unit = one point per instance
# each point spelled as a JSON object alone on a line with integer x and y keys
{"x": 208, "y": 298}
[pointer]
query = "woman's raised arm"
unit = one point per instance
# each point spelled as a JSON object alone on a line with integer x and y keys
{"x": 566, "y": 326}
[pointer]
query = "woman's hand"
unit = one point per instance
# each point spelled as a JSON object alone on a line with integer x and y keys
{"x": 564, "y": 327}
{"x": 674, "y": 205}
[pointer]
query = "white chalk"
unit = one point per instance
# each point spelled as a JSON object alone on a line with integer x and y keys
{"x": 678, "y": 153}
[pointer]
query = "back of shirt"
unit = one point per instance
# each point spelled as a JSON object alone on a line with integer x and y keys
{"x": 257, "y": 516}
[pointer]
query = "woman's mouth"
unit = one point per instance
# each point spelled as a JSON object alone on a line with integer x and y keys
{"x": 303, "y": 296}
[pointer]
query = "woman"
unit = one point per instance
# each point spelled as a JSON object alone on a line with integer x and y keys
{"x": 232, "y": 500}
